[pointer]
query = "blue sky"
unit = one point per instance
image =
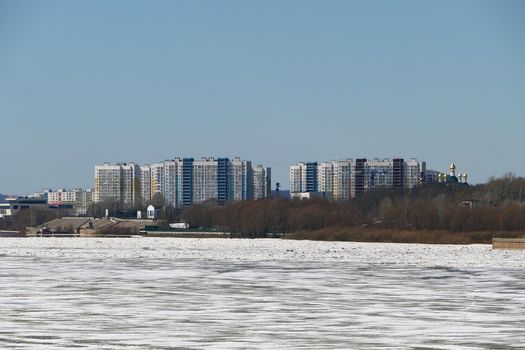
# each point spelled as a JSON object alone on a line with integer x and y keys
{"x": 83, "y": 82}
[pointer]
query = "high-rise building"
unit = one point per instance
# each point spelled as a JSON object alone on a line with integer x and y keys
{"x": 187, "y": 182}
{"x": 145, "y": 184}
{"x": 296, "y": 178}
{"x": 414, "y": 172}
{"x": 331, "y": 177}
{"x": 357, "y": 181}
{"x": 268, "y": 185}
{"x": 325, "y": 177}
{"x": 311, "y": 177}
{"x": 130, "y": 182}
{"x": 181, "y": 182}
{"x": 341, "y": 170}
{"x": 107, "y": 183}
{"x": 303, "y": 177}
{"x": 205, "y": 179}
{"x": 378, "y": 173}
{"x": 391, "y": 173}
{"x": 223, "y": 180}
{"x": 241, "y": 174}
{"x": 398, "y": 173}
{"x": 117, "y": 183}
{"x": 171, "y": 184}
{"x": 261, "y": 182}
{"x": 345, "y": 179}
{"x": 157, "y": 178}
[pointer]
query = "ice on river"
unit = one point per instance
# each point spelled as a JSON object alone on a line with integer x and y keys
{"x": 162, "y": 293}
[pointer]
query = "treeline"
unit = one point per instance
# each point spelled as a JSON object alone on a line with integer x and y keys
{"x": 498, "y": 205}
{"x": 30, "y": 217}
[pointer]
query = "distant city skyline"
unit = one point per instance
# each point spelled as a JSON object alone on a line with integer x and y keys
{"x": 288, "y": 185}
{"x": 87, "y": 82}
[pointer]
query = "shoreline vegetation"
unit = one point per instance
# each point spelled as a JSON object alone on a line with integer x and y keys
{"x": 432, "y": 213}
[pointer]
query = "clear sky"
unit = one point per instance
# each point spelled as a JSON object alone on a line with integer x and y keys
{"x": 276, "y": 82}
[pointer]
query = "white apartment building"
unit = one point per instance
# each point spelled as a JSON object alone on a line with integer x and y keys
{"x": 130, "y": 180}
{"x": 331, "y": 177}
{"x": 79, "y": 199}
{"x": 296, "y": 178}
{"x": 62, "y": 196}
{"x": 172, "y": 181}
{"x": 163, "y": 178}
{"x": 241, "y": 174}
{"x": 145, "y": 184}
{"x": 344, "y": 179}
{"x": 379, "y": 173}
{"x": 325, "y": 177}
{"x": 205, "y": 176}
{"x": 157, "y": 178}
{"x": 261, "y": 182}
{"x": 119, "y": 183}
{"x": 341, "y": 179}
{"x": 107, "y": 183}
{"x": 414, "y": 172}
{"x": 181, "y": 181}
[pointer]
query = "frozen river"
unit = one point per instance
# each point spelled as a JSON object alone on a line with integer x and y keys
{"x": 161, "y": 293}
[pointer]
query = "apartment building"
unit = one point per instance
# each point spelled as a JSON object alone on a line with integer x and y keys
{"x": 183, "y": 182}
{"x": 325, "y": 177}
{"x": 241, "y": 173}
{"x": 304, "y": 177}
{"x": 145, "y": 184}
{"x": 205, "y": 180}
{"x": 414, "y": 172}
{"x": 296, "y": 178}
{"x": 341, "y": 172}
{"x": 386, "y": 173}
{"x": 107, "y": 183}
{"x": 345, "y": 179}
{"x": 261, "y": 182}
{"x": 118, "y": 183}
{"x": 171, "y": 181}
{"x": 79, "y": 199}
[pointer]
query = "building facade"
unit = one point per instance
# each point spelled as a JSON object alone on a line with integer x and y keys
{"x": 205, "y": 180}
{"x": 241, "y": 174}
{"x": 261, "y": 182}
{"x": 118, "y": 184}
{"x": 107, "y": 183}
{"x": 182, "y": 182}
{"x": 79, "y": 199}
{"x": 348, "y": 178}
{"x": 296, "y": 178}
{"x": 145, "y": 184}
{"x": 341, "y": 170}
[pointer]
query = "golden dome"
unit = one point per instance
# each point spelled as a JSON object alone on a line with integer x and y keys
{"x": 452, "y": 166}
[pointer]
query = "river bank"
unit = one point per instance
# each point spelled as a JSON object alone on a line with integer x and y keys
{"x": 330, "y": 234}
{"x": 402, "y": 236}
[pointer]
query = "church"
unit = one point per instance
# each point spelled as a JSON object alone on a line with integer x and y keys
{"x": 451, "y": 177}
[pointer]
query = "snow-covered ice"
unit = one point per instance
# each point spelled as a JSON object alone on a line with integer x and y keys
{"x": 151, "y": 293}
